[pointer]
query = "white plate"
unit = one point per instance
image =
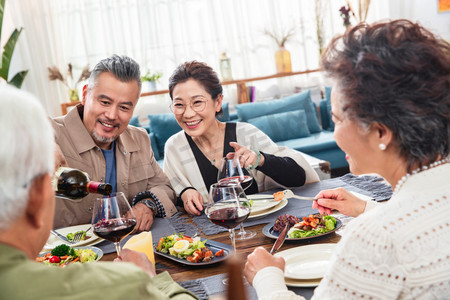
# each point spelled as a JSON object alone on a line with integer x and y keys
{"x": 54, "y": 241}
{"x": 279, "y": 205}
{"x": 302, "y": 283}
{"x": 261, "y": 205}
{"x": 98, "y": 251}
{"x": 261, "y": 196}
{"x": 307, "y": 262}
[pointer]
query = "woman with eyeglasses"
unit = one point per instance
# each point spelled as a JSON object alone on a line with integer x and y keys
{"x": 192, "y": 156}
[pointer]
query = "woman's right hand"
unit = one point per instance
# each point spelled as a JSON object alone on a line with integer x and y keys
{"x": 341, "y": 200}
{"x": 192, "y": 202}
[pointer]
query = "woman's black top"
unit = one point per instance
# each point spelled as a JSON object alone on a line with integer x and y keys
{"x": 283, "y": 170}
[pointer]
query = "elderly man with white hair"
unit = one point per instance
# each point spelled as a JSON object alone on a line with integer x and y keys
{"x": 27, "y": 204}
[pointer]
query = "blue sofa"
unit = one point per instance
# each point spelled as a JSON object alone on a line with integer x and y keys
{"x": 291, "y": 121}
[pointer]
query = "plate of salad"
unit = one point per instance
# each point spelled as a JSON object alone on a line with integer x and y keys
{"x": 88, "y": 239}
{"x": 192, "y": 251}
{"x": 303, "y": 228}
{"x": 63, "y": 255}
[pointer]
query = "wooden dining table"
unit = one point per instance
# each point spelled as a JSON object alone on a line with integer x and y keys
{"x": 370, "y": 186}
{"x": 180, "y": 272}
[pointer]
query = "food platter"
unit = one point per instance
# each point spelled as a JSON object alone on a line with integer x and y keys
{"x": 212, "y": 245}
{"x": 270, "y": 233}
{"x": 97, "y": 251}
{"x": 280, "y": 205}
{"x": 54, "y": 241}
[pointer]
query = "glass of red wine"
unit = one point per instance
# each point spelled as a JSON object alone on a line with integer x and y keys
{"x": 230, "y": 169}
{"x": 113, "y": 219}
{"x": 227, "y": 206}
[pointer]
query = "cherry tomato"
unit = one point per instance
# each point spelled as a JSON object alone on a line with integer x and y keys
{"x": 54, "y": 259}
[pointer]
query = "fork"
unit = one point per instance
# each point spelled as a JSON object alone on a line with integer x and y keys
{"x": 61, "y": 237}
{"x": 77, "y": 237}
{"x": 290, "y": 194}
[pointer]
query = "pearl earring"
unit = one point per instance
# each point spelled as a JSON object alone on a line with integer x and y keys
{"x": 382, "y": 146}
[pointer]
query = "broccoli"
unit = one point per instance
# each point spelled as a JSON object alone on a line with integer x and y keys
{"x": 62, "y": 250}
{"x": 70, "y": 236}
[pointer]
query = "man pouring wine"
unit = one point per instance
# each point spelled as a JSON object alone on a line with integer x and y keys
{"x": 95, "y": 138}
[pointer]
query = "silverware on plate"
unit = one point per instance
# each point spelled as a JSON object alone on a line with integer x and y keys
{"x": 61, "y": 237}
{"x": 280, "y": 240}
{"x": 290, "y": 194}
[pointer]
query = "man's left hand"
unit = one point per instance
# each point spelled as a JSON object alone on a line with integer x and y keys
{"x": 144, "y": 217}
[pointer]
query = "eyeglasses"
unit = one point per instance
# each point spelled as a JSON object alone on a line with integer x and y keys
{"x": 179, "y": 108}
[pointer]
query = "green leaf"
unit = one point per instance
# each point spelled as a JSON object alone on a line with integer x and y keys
{"x": 17, "y": 80}
{"x": 8, "y": 51}
{"x": 2, "y": 9}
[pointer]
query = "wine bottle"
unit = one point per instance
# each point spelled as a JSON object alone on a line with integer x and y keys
{"x": 75, "y": 184}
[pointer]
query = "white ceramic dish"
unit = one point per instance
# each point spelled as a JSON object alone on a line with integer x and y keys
{"x": 54, "y": 241}
{"x": 307, "y": 262}
{"x": 279, "y": 205}
{"x": 262, "y": 205}
{"x": 98, "y": 251}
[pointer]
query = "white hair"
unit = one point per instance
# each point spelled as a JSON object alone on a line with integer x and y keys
{"x": 26, "y": 151}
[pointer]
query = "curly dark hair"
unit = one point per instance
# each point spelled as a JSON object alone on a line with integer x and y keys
{"x": 202, "y": 73}
{"x": 396, "y": 73}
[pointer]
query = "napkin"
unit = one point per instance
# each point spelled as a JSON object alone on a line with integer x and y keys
{"x": 142, "y": 242}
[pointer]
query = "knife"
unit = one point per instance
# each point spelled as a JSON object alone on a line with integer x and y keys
{"x": 280, "y": 240}
{"x": 60, "y": 236}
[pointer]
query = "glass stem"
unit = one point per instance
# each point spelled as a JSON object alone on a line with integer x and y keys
{"x": 233, "y": 240}
{"x": 241, "y": 229}
{"x": 117, "y": 248}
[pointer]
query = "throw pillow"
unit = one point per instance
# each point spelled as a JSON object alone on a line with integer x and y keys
{"x": 226, "y": 113}
{"x": 328, "y": 98}
{"x": 151, "y": 135}
{"x": 283, "y": 126}
{"x": 134, "y": 121}
{"x": 300, "y": 101}
{"x": 163, "y": 126}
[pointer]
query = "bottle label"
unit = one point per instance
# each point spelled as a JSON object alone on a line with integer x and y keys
{"x": 92, "y": 186}
{"x": 56, "y": 176}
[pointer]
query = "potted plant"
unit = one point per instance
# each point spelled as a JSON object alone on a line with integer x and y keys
{"x": 7, "y": 54}
{"x": 68, "y": 81}
{"x": 149, "y": 81}
{"x": 282, "y": 55}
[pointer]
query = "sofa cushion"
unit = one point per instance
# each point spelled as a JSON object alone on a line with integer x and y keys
{"x": 328, "y": 109}
{"x": 154, "y": 145}
{"x": 321, "y": 145}
{"x": 163, "y": 126}
{"x": 226, "y": 113}
{"x": 283, "y": 126}
{"x": 301, "y": 101}
{"x": 134, "y": 121}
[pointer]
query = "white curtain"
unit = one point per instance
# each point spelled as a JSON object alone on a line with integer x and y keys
{"x": 161, "y": 34}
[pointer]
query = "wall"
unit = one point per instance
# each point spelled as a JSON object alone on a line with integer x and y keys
{"x": 423, "y": 11}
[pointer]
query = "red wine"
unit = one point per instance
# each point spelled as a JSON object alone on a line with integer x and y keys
{"x": 114, "y": 230}
{"x": 228, "y": 217}
{"x": 245, "y": 180}
{"x": 75, "y": 184}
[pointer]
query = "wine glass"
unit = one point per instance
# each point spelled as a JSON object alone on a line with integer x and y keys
{"x": 227, "y": 206}
{"x": 230, "y": 169}
{"x": 113, "y": 219}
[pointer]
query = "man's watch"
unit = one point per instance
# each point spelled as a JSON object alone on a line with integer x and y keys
{"x": 150, "y": 204}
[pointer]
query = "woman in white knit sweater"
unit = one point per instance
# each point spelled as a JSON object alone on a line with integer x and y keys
{"x": 391, "y": 107}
